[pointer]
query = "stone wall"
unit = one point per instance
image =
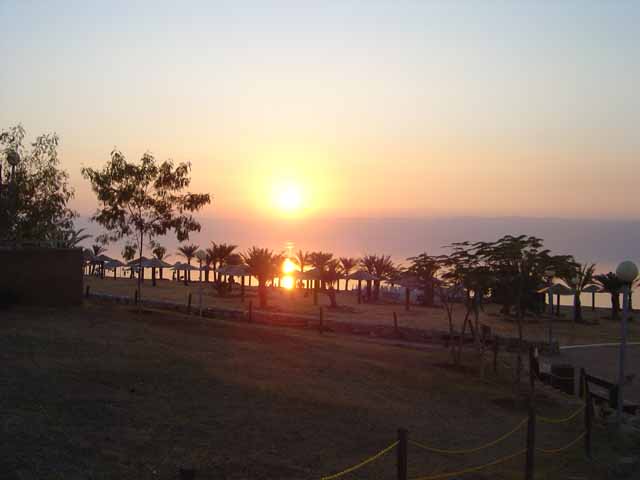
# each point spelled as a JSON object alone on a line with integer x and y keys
{"x": 41, "y": 276}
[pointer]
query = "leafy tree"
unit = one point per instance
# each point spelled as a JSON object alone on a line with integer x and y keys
{"x": 347, "y": 264}
{"x": 577, "y": 278}
{"x": 424, "y": 268}
{"x": 36, "y": 207}
{"x": 188, "y": 252}
{"x": 144, "y": 199}
{"x": 262, "y": 264}
{"x": 611, "y": 284}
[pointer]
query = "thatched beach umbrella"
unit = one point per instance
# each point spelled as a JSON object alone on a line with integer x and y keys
{"x": 154, "y": 263}
{"x": 360, "y": 276}
{"x": 409, "y": 282}
{"x": 240, "y": 270}
{"x": 557, "y": 289}
{"x": 592, "y": 289}
{"x": 113, "y": 265}
{"x": 184, "y": 267}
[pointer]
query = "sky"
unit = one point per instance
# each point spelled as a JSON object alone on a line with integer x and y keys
{"x": 358, "y": 109}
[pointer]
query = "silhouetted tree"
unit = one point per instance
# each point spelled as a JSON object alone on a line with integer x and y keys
{"x": 144, "y": 199}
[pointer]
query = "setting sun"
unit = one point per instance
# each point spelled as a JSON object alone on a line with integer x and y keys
{"x": 289, "y": 198}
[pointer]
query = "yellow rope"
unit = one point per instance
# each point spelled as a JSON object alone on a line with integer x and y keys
{"x": 568, "y": 445}
{"x": 363, "y": 463}
{"x": 562, "y": 420}
{"x": 470, "y": 450}
{"x": 472, "y": 469}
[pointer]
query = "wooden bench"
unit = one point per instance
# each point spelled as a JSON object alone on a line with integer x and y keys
{"x": 605, "y": 392}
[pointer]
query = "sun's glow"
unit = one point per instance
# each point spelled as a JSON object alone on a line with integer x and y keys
{"x": 288, "y": 266}
{"x": 287, "y": 282}
{"x": 289, "y": 198}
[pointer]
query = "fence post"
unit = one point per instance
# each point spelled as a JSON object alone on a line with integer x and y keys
{"x": 189, "y": 304}
{"x": 532, "y": 369}
{"x": 531, "y": 443}
{"x": 588, "y": 413}
{"x": 402, "y": 454}
{"x": 250, "y": 311}
{"x": 395, "y": 324}
{"x": 321, "y": 320}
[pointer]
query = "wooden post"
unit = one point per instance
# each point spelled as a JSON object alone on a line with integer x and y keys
{"x": 593, "y": 301}
{"x": 558, "y": 305}
{"x": 359, "y": 292}
{"x": 135, "y": 297}
{"x": 402, "y": 454}
{"x": 189, "y": 304}
{"x": 250, "y": 311}
{"x": 86, "y": 291}
{"x": 407, "y": 298}
{"x": 315, "y": 292}
{"x": 496, "y": 349}
{"x": 395, "y": 324}
{"x": 588, "y": 412}
{"x": 321, "y": 320}
{"x": 531, "y": 443}
{"x": 242, "y": 289}
{"x": 532, "y": 369}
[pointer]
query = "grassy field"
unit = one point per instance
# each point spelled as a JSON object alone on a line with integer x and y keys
{"x": 104, "y": 392}
{"x": 600, "y": 329}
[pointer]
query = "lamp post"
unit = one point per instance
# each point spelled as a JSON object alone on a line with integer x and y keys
{"x": 550, "y": 274}
{"x": 627, "y": 272}
{"x": 8, "y": 192}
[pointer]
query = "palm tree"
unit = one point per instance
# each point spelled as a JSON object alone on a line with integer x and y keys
{"x": 188, "y": 252}
{"x": 302, "y": 259}
{"x": 261, "y": 265}
{"x": 330, "y": 275}
{"x": 71, "y": 238}
{"x": 219, "y": 252}
{"x": 160, "y": 253}
{"x": 368, "y": 263}
{"x": 128, "y": 254}
{"x": 320, "y": 261}
{"x": 577, "y": 278}
{"x": 611, "y": 284}
{"x": 210, "y": 260}
{"x": 347, "y": 264}
{"x": 98, "y": 250}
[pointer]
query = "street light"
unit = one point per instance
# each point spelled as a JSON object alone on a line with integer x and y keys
{"x": 627, "y": 272}
{"x": 8, "y": 191}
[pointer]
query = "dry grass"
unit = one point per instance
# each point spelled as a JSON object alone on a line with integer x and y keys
{"x": 600, "y": 329}
{"x": 103, "y": 392}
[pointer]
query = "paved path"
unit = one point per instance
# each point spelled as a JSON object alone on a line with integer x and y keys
{"x": 602, "y": 361}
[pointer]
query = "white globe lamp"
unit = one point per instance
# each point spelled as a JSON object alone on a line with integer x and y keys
{"x": 627, "y": 271}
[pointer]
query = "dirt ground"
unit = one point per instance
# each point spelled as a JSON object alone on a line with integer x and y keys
{"x": 101, "y": 391}
{"x": 599, "y": 329}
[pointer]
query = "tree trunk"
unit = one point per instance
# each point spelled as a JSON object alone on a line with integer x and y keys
{"x": 615, "y": 306}
{"x": 140, "y": 271}
{"x": 577, "y": 309}
{"x": 262, "y": 293}
{"x": 332, "y": 297}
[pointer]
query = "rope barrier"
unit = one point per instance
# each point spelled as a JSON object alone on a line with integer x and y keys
{"x": 471, "y": 469}
{"x": 363, "y": 463}
{"x": 568, "y": 445}
{"x": 470, "y": 450}
{"x": 562, "y": 420}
